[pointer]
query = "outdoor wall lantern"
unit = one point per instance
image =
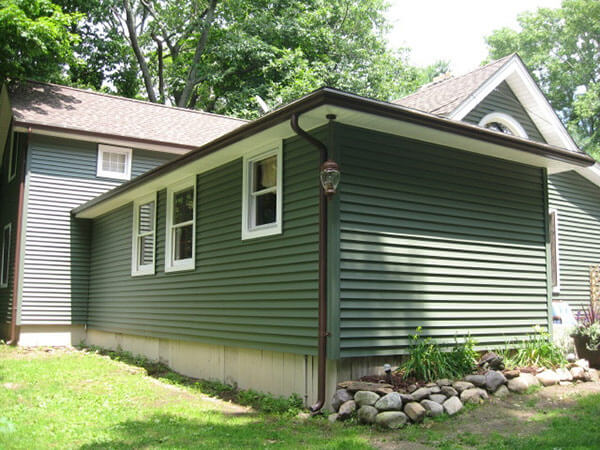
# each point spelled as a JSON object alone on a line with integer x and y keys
{"x": 330, "y": 177}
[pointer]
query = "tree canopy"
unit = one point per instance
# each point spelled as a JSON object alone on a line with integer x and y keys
{"x": 562, "y": 49}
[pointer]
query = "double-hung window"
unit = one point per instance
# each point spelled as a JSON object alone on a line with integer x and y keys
{"x": 144, "y": 236}
{"x": 114, "y": 162}
{"x": 181, "y": 226}
{"x": 262, "y": 193}
{"x": 5, "y": 256}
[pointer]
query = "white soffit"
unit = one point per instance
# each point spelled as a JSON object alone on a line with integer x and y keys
{"x": 313, "y": 119}
{"x": 530, "y": 96}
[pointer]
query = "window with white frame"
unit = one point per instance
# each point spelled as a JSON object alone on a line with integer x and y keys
{"x": 5, "y": 256}
{"x": 554, "y": 251}
{"x": 144, "y": 236}
{"x": 114, "y": 162}
{"x": 262, "y": 193}
{"x": 181, "y": 226}
{"x": 503, "y": 123}
{"x": 13, "y": 157}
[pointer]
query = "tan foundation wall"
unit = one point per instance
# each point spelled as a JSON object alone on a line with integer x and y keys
{"x": 51, "y": 335}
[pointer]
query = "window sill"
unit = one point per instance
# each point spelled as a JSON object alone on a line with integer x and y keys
{"x": 188, "y": 264}
{"x": 143, "y": 272}
{"x": 270, "y": 230}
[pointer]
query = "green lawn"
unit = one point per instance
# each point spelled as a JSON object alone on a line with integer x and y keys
{"x": 85, "y": 400}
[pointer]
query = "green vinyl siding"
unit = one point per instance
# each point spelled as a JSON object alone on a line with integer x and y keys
{"x": 257, "y": 293}
{"x": 9, "y": 203}
{"x": 502, "y": 99}
{"x": 61, "y": 176}
{"x": 434, "y": 237}
{"x": 577, "y": 202}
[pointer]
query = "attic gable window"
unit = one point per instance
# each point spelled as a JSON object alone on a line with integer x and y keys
{"x": 262, "y": 193}
{"x": 114, "y": 162}
{"x": 180, "y": 240}
{"x": 503, "y": 123}
{"x": 144, "y": 236}
{"x": 5, "y": 256}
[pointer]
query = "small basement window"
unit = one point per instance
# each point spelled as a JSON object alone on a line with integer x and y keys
{"x": 262, "y": 193}
{"x": 144, "y": 236}
{"x": 5, "y": 256}
{"x": 181, "y": 226}
{"x": 114, "y": 162}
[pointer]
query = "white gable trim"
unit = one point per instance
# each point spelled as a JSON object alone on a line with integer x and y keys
{"x": 531, "y": 97}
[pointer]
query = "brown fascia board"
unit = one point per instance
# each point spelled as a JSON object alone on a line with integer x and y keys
{"x": 334, "y": 97}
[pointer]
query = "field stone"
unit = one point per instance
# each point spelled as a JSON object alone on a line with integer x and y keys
{"x": 513, "y": 373}
{"x": 412, "y": 388}
{"x": 430, "y": 384}
{"x": 390, "y": 402}
{"x": 434, "y": 409}
{"x": 435, "y": 389}
{"x": 462, "y": 385}
{"x": 415, "y": 411}
{"x": 548, "y": 377}
{"x": 438, "y": 398}
{"x": 452, "y": 405}
{"x": 384, "y": 391}
{"x": 583, "y": 363}
{"x": 564, "y": 374}
{"x": 443, "y": 382}
{"x": 364, "y": 398}
{"x": 449, "y": 391}
{"x": 477, "y": 380}
{"x": 340, "y": 396}
{"x": 587, "y": 376}
{"x": 407, "y": 398}
{"x": 493, "y": 380}
{"x": 522, "y": 383}
{"x": 578, "y": 373}
{"x": 367, "y": 414}
{"x": 473, "y": 395}
{"x": 594, "y": 376}
{"x": 421, "y": 393}
{"x": 333, "y": 417}
{"x": 391, "y": 419}
{"x": 346, "y": 409}
{"x": 502, "y": 391}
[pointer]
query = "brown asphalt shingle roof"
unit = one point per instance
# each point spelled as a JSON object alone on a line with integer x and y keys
{"x": 79, "y": 110}
{"x": 443, "y": 97}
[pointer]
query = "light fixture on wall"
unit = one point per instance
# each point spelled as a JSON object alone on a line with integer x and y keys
{"x": 330, "y": 177}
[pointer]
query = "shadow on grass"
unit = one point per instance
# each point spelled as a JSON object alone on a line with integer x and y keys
{"x": 170, "y": 431}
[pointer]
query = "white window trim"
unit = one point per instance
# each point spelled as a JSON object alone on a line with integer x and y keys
{"x": 248, "y": 230}
{"x": 12, "y": 171}
{"x": 506, "y": 120}
{"x": 184, "y": 264}
{"x": 4, "y": 283}
{"x": 146, "y": 269}
{"x": 553, "y": 216}
{"x": 115, "y": 175}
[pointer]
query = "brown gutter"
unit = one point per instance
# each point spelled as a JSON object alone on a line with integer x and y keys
{"x": 322, "y": 356}
{"x": 14, "y": 332}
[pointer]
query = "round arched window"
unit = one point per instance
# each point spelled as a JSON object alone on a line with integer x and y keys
{"x": 503, "y": 123}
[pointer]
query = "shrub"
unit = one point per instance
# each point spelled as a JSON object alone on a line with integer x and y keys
{"x": 588, "y": 325}
{"x": 537, "y": 350}
{"x": 427, "y": 360}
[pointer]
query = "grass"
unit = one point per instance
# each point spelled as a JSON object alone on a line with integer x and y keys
{"x": 87, "y": 400}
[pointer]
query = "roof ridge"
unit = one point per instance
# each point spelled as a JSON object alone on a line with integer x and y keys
{"x": 144, "y": 102}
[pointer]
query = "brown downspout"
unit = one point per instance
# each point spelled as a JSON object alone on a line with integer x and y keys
{"x": 14, "y": 335}
{"x": 322, "y": 358}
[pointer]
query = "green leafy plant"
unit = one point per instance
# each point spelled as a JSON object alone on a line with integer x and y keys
{"x": 428, "y": 361}
{"x": 588, "y": 325}
{"x": 536, "y": 350}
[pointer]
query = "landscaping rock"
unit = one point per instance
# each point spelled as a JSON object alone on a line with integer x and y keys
{"x": 571, "y": 358}
{"x": 477, "y": 380}
{"x": 449, "y": 391}
{"x": 407, "y": 398}
{"x": 367, "y": 414}
{"x": 548, "y": 377}
{"x": 391, "y": 419}
{"x": 430, "y": 385}
{"x": 333, "y": 417}
{"x": 390, "y": 402}
{"x": 565, "y": 383}
{"x": 340, "y": 396}
{"x": 594, "y": 376}
{"x": 522, "y": 383}
{"x": 435, "y": 389}
{"x": 473, "y": 395}
{"x": 412, "y": 388}
{"x": 438, "y": 398}
{"x": 452, "y": 406}
{"x": 415, "y": 411}
{"x": 587, "y": 376}
{"x": 492, "y": 361}
{"x": 443, "y": 382}
{"x": 421, "y": 393}
{"x": 355, "y": 386}
{"x": 434, "y": 409}
{"x": 578, "y": 373}
{"x": 365, "y": 398}
{"x": 564, "y": 374}
{"x": 502, "y": 391}
{"x": 462, "y": 386}
{"x": 493, "y": 380}
{"x": 384, "y": 391}
{"x": 346, "y": 409}
{"x": 513, "y": 373}
{"x": 583, "y": 363}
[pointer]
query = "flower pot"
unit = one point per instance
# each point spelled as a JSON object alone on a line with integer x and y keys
{"x": 593, "y": 356}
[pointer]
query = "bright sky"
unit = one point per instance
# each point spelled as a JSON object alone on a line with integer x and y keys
{"x": 453, "y": 30}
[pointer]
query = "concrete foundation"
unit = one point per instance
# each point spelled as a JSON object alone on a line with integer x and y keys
{"x": 51, "y": 335}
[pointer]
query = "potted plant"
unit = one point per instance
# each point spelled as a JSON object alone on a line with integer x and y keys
{"x": 586, "y": 334}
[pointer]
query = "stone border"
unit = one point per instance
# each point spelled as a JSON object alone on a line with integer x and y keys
{"x": 378, "y": 404}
